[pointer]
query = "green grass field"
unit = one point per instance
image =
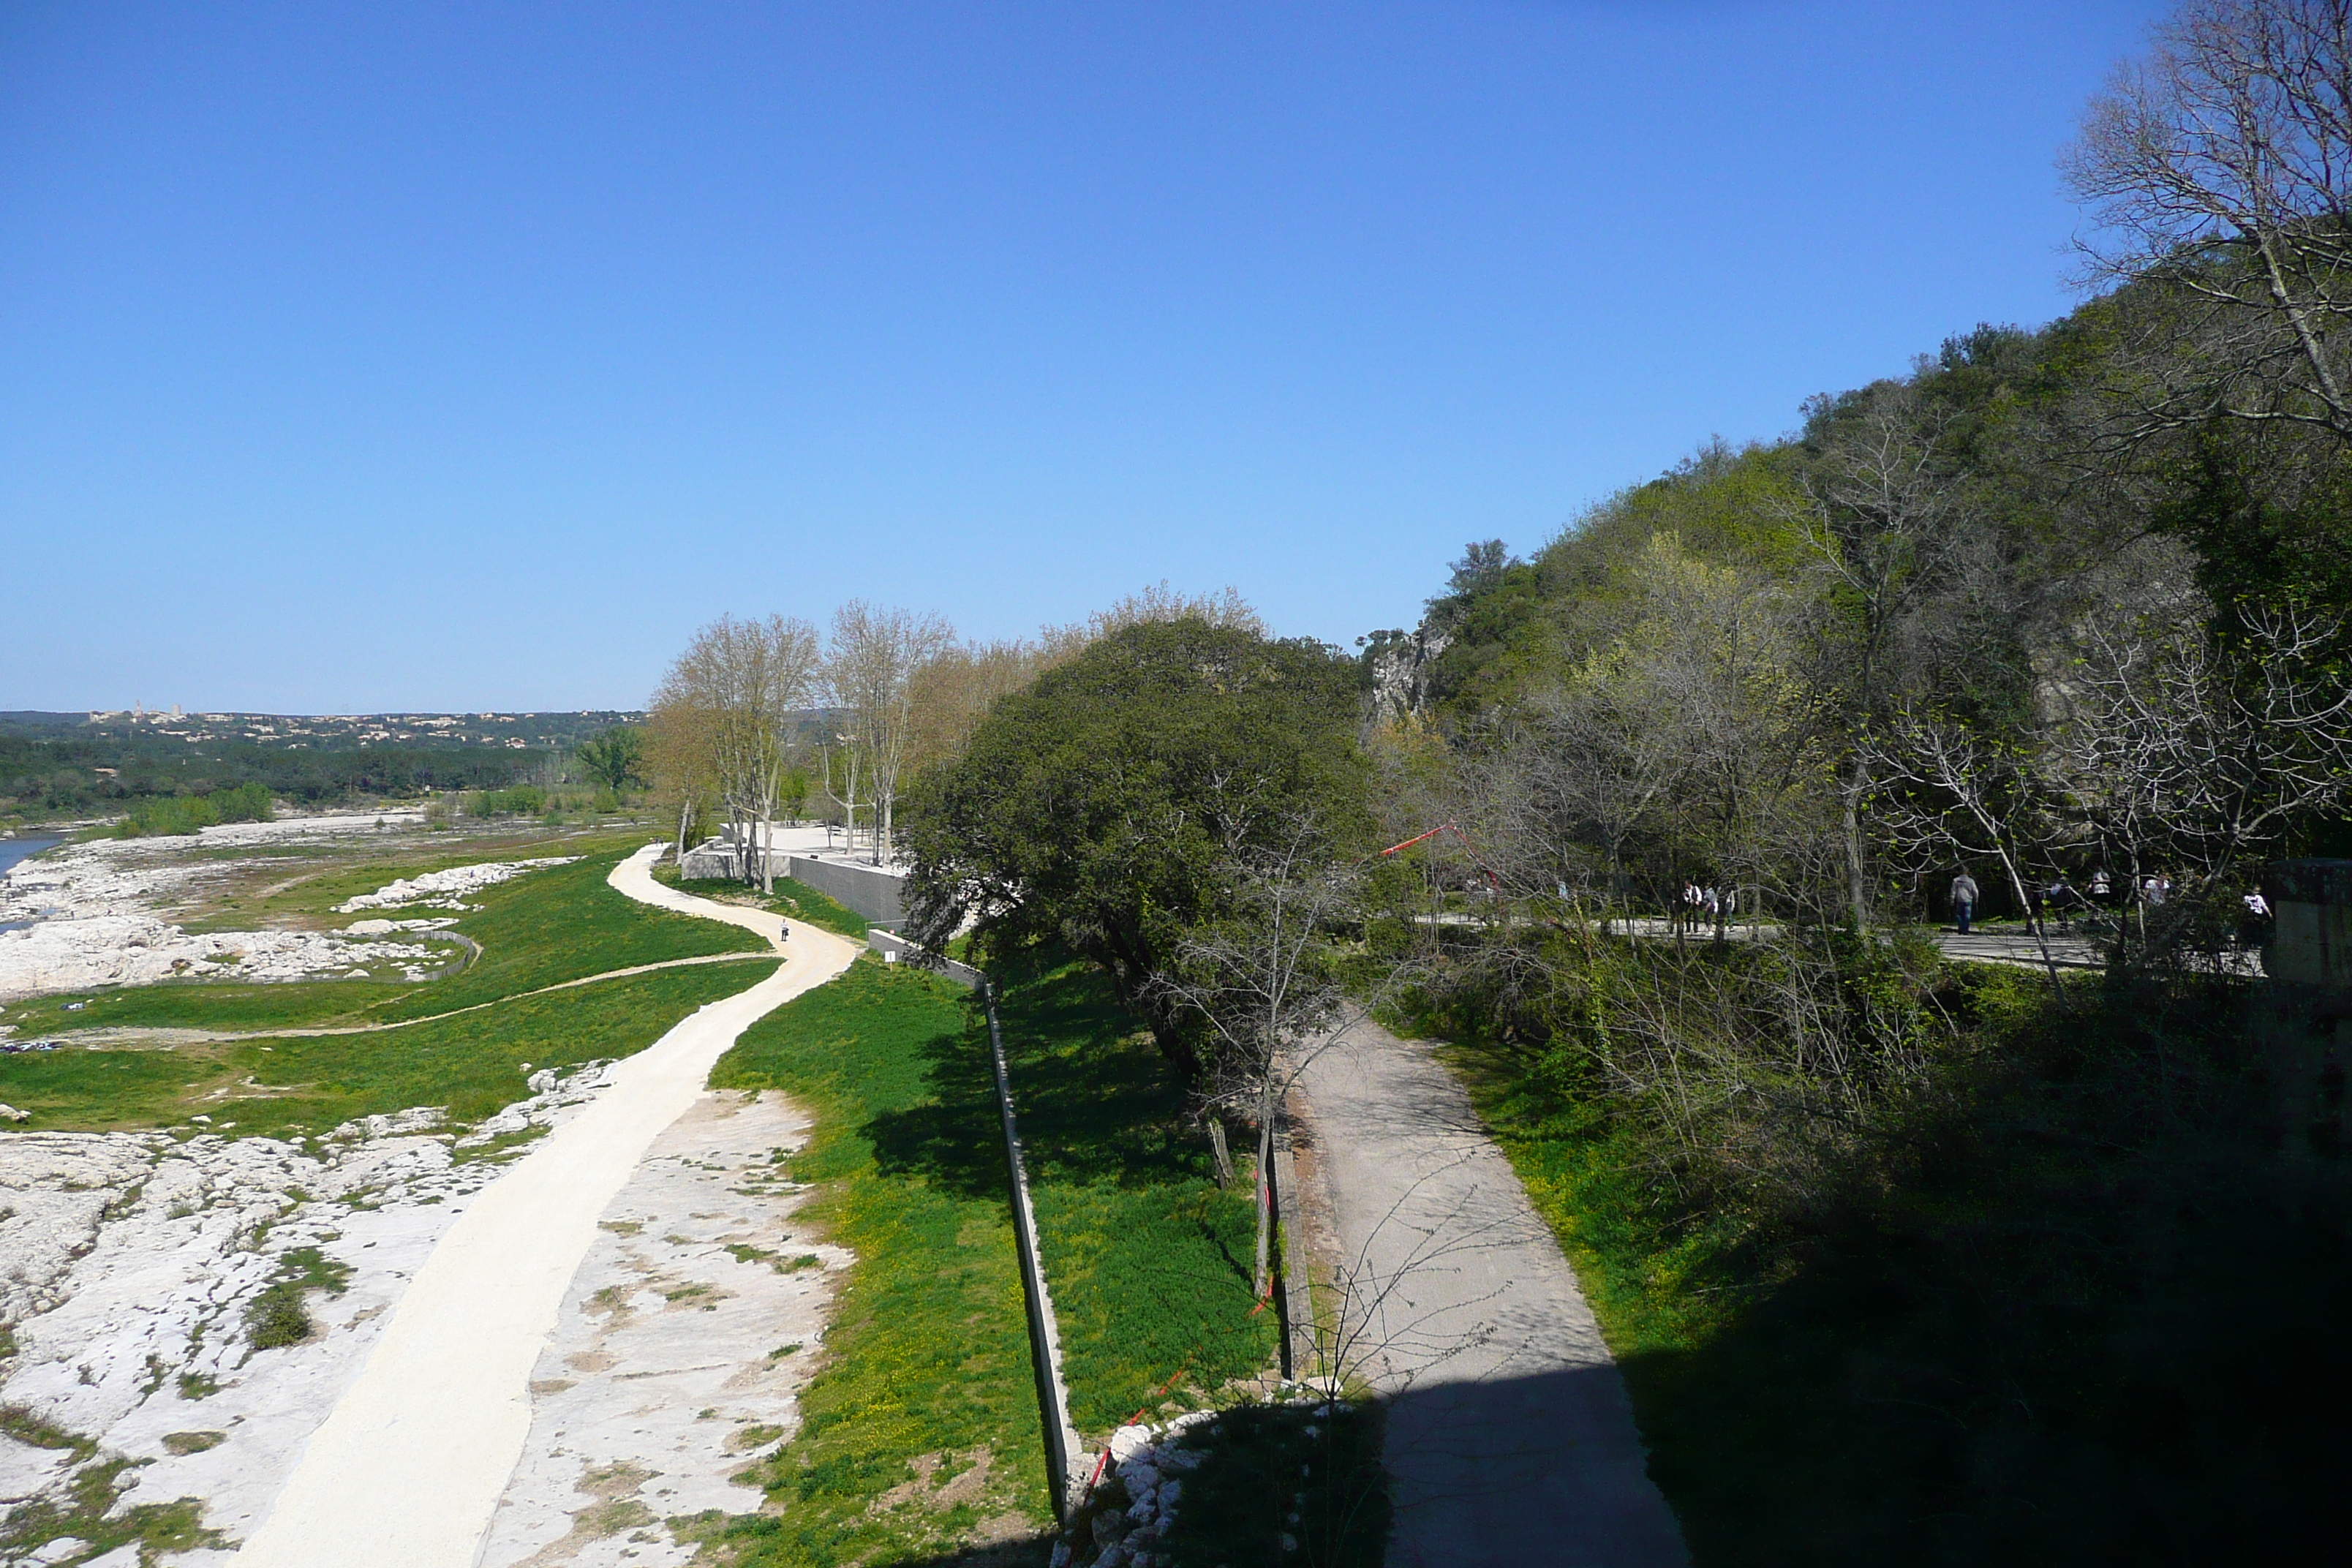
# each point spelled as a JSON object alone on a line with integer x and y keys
{"x": 1149, "y": 1260}
{"x": 542, "y": 928}
{"x": 1146, "y": 1256}
{"x": 927, "y": 1354}
{"x": 292, "y": 1084}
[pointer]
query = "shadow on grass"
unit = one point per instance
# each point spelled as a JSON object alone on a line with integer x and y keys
{"x": 1143, "y": 1252}
{"x": 1095, "y": 1103}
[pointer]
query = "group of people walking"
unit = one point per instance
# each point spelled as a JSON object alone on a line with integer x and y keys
{"x": 2059, "y": 898}
{"x": 1705, "y": 906}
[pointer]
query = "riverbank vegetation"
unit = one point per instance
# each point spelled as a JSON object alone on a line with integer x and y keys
{"x": 290, "y": 1086}
{"x": 191, "y": 814}
{"x": 57, "y": 765}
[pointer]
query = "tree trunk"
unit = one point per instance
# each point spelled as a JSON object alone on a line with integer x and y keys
{"x": 1856, "y": 875}
{"x": 1221, "y": 1157}
{"x": 685, "y": 818}
{"x": 1261, "y": 1282}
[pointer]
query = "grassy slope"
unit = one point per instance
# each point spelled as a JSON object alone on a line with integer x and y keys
{"x": 927, "y": 1354}
{"x": 2082, "y": 1312}
{"x": 1147, "y": 1260}
{"x": 1149, "y": 1263}
{"x": 545, "y": 927}
{"x": 471, "y": 1064}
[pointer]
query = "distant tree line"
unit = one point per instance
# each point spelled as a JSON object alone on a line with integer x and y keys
{"x": 50, "y": 777}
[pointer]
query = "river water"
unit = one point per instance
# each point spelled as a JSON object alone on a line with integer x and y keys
{"x": 15, "y": 850}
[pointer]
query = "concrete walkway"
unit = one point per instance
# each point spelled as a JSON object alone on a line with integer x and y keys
{"x": 1509, "y": 1436}
{"x": 407, "y": 1468}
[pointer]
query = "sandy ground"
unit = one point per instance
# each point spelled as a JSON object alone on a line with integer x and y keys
{"x": 584, "y": 1333}
{"x": 101, "y": 914}
{"x": 1509, "y": 1436}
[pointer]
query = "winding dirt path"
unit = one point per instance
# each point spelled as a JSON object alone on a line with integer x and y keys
{"x": 408, "y": 1469}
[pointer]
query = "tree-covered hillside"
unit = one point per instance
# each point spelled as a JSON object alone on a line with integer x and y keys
{"x": 55, "y": 764}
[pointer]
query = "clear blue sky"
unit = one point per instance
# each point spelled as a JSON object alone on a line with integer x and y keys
{"x": 363, "y": 357}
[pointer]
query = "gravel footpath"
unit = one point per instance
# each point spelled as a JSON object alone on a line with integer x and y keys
{"x": 1510, "y": 1438}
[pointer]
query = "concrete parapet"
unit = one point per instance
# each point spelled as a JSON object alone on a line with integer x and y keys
{"x": 895, "y": 949}
{"x": 871, "y": 890}
{"x": 2311, "y": 906}
{"x": 2305, "y": 1011}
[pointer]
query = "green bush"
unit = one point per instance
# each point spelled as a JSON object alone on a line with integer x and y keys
{"x": 246, "y": 803}
{"x": 165, "y": 814}
{"x": 519, "y": 800}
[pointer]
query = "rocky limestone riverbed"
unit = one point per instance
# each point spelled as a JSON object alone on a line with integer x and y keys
{"x": 157, "y": 1390}
{"x": 103, "y": 912}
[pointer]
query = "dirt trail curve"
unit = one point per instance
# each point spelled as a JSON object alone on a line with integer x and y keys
{"x": 408, "y": 1469}
{"x": 1509, "y": 1436}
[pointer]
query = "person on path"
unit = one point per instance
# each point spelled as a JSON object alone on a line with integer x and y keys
{"x": 2064, "y": 899}
{"x": 1964, "y": 901}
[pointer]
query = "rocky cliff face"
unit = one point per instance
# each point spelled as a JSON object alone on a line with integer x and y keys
{"x": 1400, "y": 671}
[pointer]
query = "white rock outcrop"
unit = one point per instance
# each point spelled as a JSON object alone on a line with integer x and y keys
{"x": 442, "y": 890}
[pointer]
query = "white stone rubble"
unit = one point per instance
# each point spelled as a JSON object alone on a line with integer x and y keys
{"x": 440, "y": 889}
{"x": 139, "y": 950}
{"x": 96, "y": 914}
{"x": 1148, "y": 1461}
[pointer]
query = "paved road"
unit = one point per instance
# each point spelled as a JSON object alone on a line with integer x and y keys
{"x": 407, "y": 1468}
{"x": 2006, "y": 946}
{"x": 1510, "y": 1438}
{"x": 2020, "y": 947}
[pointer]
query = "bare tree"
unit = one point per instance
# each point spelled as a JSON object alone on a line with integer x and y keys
{"x": 2177, "y": 749}
{"x": 1159, "y": 602}
{"x": 2219, "y": 167}
{"x": 1264, "y": 978}
{"x": 1955, "y": 791}
{"x": 870, "y": 669}
{"x": 724, "y": 711}
{"x": 1683, "y": 745}
{"x": 681, "y": 725}
{"x": 842, "y": 767}
{"x": 1887, "y": 526}
{"x": 952, "y": 692}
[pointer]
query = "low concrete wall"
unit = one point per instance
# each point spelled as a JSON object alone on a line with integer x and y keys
{"x": 869, "y": 889}
{"x": 2303, "y": 1014}
{"x": 898, "y": 950}
{"x": 2311, "y": 904}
